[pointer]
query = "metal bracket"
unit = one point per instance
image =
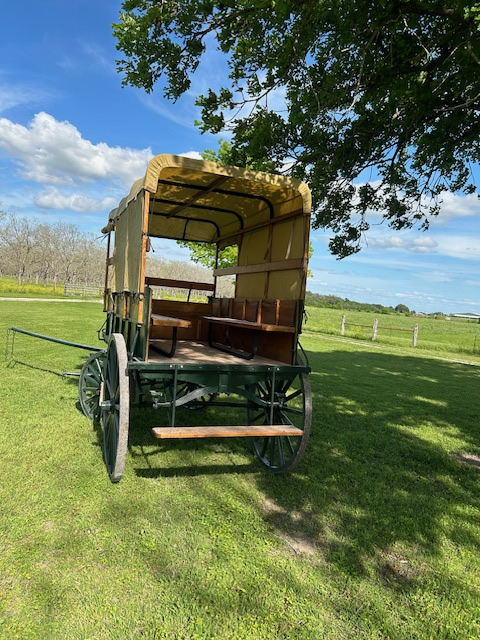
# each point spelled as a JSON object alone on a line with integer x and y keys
{"x": 173, "y": 346}
{"x": 246, "y": 355}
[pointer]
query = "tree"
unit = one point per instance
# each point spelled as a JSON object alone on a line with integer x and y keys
{"x": 383, "y": 93}
{"x": 402, "y": 308}
{"x": 18, "y": 242}
{"x": 204, "y": 254}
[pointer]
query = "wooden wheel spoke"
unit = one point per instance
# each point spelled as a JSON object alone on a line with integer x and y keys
{"x": 293, "y": 395}
{"x": 289, "y": 445}
{"x": 260, "y": 414}
{"x": 271, "y": 455}
{"x": 281, "y": 458}
{"x": 285, "y": 419}
{"x": 263, "y": 392}
{"x": 108, "y": 386}
{"x": 264, "y": 447}
{"x": 298, "y": 412}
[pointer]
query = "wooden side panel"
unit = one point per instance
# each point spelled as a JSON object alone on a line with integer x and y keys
{"x": 287, "y": 312}
{"x": 268, "y": 312}
{"x": 179, "y": 284}
{"x": 224, "y": 307}
{"x": 238, "y": 309}
{"x": 251, "y": 310}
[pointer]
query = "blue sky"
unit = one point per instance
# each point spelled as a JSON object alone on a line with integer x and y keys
{"x": 72, "y": 140}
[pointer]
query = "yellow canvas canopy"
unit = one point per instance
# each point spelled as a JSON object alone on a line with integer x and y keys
{"x": 266, "y": 215}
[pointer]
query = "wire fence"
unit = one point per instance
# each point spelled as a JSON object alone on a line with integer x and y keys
{"x": 375, "y": 327}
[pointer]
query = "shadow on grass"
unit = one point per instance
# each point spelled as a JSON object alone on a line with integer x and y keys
{"x": 376, "y": 470}
{"x": 379, "y": 469}
{"x": 210, "y": 470}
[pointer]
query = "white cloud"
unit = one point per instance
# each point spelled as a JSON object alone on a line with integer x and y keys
{"x": 15, "y": 95}
{"x": 459, "y": 246}
{"x": 195, "y": 155}
{"x": 52, "y": 198}
{"x": 423, "y": 244}
{"x": 388, "y": 242}
{"x": 53, "y": 152}
{"x": 452, "y": 205}
{"x": 456, "y": 206}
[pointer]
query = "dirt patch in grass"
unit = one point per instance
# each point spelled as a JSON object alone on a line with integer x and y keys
{"x": 396, "y": 569}
{"x": 291, "y": 528}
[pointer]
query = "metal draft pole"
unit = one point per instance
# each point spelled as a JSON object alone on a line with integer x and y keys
{"x": 67, "y": 343}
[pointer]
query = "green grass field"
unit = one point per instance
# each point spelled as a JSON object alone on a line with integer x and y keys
{"x": 454, "y": 338}
{"x": 376, "y": 535}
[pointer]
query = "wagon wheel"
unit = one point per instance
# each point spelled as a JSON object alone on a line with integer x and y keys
{"x": 91, "y": 378}
{"x": 114, "y": 410}
{"x": 281, "y": 454}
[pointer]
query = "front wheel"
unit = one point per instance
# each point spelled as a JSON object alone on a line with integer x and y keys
{"x": 115, "y": 407}
{"x": 286, "y": 402}
{"x": 89, "y": 385}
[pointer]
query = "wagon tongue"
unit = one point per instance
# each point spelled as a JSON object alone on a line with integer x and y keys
{"x": 68, "y": 343}
{"x": 226, "y": 432}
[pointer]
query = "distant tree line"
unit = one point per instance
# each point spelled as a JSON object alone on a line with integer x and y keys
{"x": 49, "y": 254}
{"x": 33, "y": 251}
{"x": 335, "y": 302}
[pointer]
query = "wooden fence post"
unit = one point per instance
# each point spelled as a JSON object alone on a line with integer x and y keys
{"x": 342, "y": 328}
{"x": 415, "y": 335}
{"x": 375, "y": 329}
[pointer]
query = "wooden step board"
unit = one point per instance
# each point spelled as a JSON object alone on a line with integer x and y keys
{"x": 226, "y": 432}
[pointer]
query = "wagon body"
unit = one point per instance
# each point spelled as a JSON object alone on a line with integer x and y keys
{"x": 239, "y": 352}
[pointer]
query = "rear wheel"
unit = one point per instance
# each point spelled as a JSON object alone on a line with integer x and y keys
{"x": 292, "y": 405}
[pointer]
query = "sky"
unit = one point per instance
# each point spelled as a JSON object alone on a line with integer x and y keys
{"x": 72, "y": 141}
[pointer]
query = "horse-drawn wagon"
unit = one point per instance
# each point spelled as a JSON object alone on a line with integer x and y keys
{"x": 240, "y": 352}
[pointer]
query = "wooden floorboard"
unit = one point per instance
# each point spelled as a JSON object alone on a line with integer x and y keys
{"x": 226, "y": 432}
{"x": 189, "y": 351}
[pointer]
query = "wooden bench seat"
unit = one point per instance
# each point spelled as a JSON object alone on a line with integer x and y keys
{"x": 255, "y": 327}
{"x": 169, "y": 321}
{"x": 247, "y": 324}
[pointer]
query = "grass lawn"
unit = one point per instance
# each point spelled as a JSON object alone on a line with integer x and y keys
{"x": 376, "y": 535}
